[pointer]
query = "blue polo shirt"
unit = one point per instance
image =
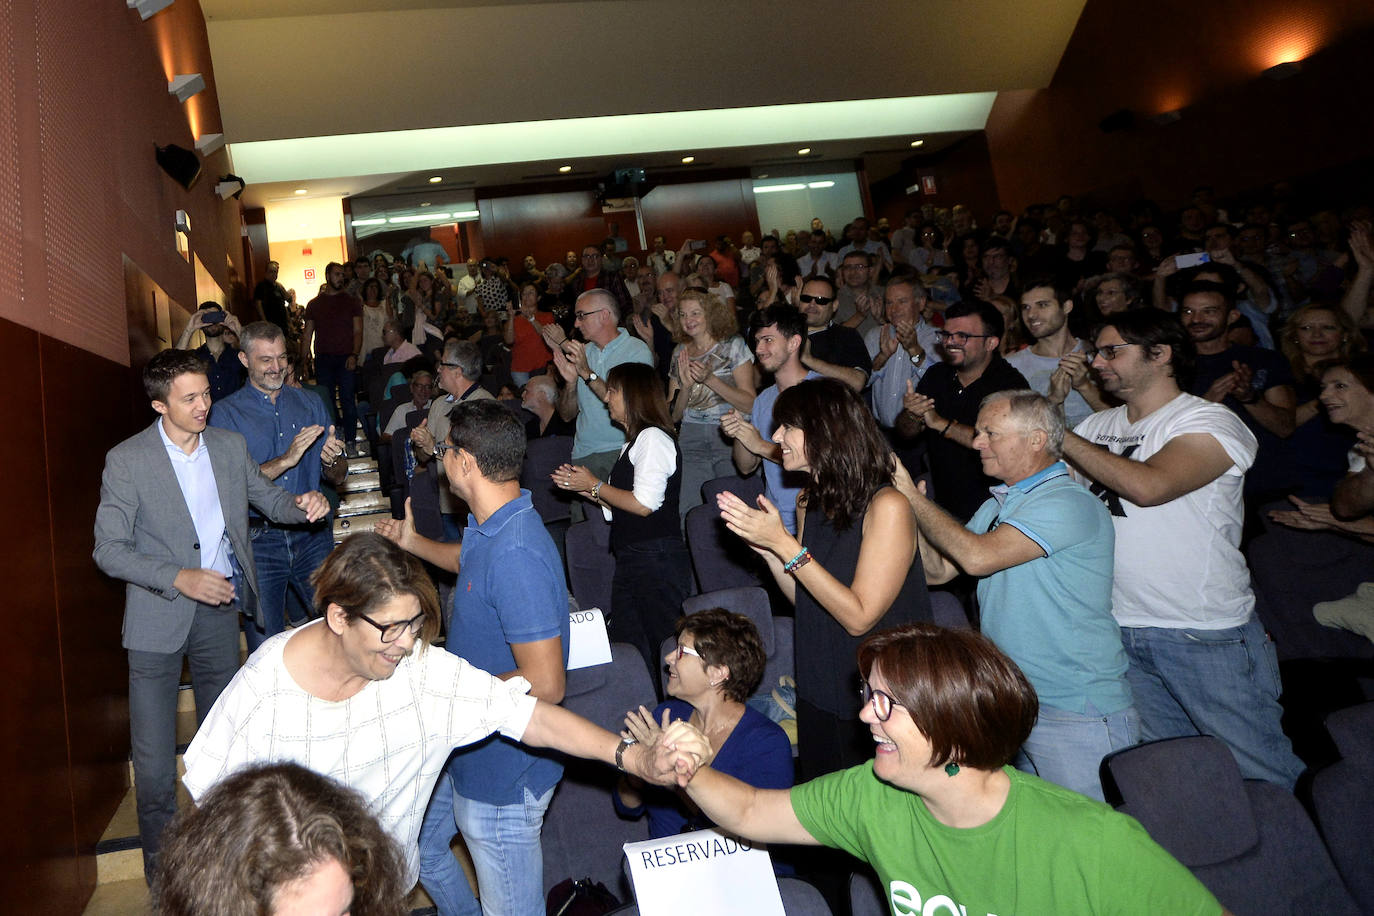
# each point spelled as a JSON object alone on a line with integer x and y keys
{"x": 1053, "y": 615}
{"x": 779, "y": 486}
{"x": 510, "y": 590}
{"x": 595, "y": 432}
{"x": 270, "y": 427}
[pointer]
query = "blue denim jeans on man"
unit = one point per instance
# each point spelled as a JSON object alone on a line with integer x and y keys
{"x": 1066, "y": 748}
{"x": 285, "y": 558}
{"x": 1223, "y": 683}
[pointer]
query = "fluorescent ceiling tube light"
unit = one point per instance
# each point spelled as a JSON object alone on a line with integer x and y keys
{"x": 377, "y": 221}
{"x": 421, "y": 218}
{"x": 209, "y": 143}
{"x": 816, "y": 185}
{"x": 780, "y": 187}
{"x": 185, "y": 85}
{"x": 466, "y": 214}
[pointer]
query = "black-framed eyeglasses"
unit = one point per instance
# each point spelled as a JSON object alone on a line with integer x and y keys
{"x": 819, "y": 300}
{"x": 583, "y": 316}
{"x": 392, "y": 631}
{"x": 445, "y": 365}
{"x": 1108, "y": 351}
{"x": 881, "y": 700}
{"x": 441, "y": 449}
{"x": 958, "y": 337}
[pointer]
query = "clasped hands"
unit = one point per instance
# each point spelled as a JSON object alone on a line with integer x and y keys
{"x": 674, "y": 750}
{"x": 576, "y": 478}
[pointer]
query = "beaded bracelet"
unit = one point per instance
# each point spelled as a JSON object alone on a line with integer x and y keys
{"x": 798, "y": 561}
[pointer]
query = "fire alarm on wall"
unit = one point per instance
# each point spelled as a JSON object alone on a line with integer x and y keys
{"x": 310, "y": 273}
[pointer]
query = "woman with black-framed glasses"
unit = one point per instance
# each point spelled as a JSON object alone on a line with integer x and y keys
{"x": 939, "y": 813}
{"x": 714, "y": 668}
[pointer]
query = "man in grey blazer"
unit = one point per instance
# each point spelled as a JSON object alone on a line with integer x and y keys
{"x": 173, "y": 524}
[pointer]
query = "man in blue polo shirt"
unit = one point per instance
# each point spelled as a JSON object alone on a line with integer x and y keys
{"x": 290, "y": 437}
{"x": 510, "y": 617}
{"x": 1043, "y": 548}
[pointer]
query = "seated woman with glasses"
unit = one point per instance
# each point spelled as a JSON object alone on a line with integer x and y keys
{"x": 852, "y": 566}
{"x": 279, "y": 840}
{"x": 639, "y": 498}
{"x": 939, "y": 813}
{"x": 358, "y": 695}
{"x": 715, "y": 667}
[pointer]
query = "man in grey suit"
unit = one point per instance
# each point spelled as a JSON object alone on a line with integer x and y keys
{"x": 173, "y": 524}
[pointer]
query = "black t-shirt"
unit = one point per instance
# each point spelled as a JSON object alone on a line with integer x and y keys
{"x": 1273, "y": 470}
{"x": 842, "y": 346}
{"x": 273, "y": 298}
{"x": 956, "y": 472}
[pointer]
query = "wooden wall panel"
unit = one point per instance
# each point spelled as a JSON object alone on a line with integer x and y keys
{"x": 544, "y": 225}
{"x": 701, "y": 210}
{"x": 963, "y": 175}
{"x": 39, "y": 848}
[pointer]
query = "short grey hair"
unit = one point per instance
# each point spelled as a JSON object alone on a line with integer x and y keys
{"x": 1032, "y": 410}
{"x": 265, "y": 331}
{"x": 605, "y": 296}
{"x": 466, "y": 356}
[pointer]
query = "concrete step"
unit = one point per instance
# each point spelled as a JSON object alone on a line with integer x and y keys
{"x": 361, "y": 482}
{"x": 356, "y": 524}
{"x": 362, "y": 504}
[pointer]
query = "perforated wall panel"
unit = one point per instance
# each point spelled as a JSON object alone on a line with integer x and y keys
{"x": 84, "y": 280}
{"x": 11, "y": 210}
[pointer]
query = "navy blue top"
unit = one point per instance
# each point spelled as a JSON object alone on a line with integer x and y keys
{"x": 510, "y": 590}
{"x": 270, "y": 427}
{"x": 226, "y": 373}
{"x": 757, "y": 752}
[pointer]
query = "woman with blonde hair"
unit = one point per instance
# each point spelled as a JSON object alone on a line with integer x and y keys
{"x": 711, "y": 372}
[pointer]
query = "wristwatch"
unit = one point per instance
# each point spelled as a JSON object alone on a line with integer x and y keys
{"x": 918, "y": 359}
{"x": 591, "y": 376}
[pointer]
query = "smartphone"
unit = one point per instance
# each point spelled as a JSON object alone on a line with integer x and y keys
{"x": 213, "y": 316}
{"x": 1184, "y": 261}
{"x": 698, "y": 245}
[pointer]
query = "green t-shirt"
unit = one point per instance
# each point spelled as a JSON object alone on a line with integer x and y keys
{"x": 1048, "y": 851}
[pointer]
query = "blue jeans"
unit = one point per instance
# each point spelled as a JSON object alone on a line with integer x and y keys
{"x": 331, "y": 371}
{"x": 285, "y": 558}
{"x": 1066, "y": 748}
{"x": 503, "y": 841}
{"x": 1223, "y": 683}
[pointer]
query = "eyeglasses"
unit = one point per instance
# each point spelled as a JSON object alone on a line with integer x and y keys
{"x": 819, "y": 300}
{"x": 957, "y": 337}
{"x": 686, "y": 650}
{"x": 882, "y": 702}
{"x": 392, "y": 631}
{"x": 1108, "y": 351}
{"x": 582, "y": 316}
{"x": 441, "y": 449}
{"x": 449, "y": 365}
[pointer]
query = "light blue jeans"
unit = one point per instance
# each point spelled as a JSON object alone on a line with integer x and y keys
{"x": 1066, "y": 748}
{"x": 1223, "y": 683}
{"x": 503, "y": 841}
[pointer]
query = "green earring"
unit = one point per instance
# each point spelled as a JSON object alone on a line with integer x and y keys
{"x": 951, "y": 769}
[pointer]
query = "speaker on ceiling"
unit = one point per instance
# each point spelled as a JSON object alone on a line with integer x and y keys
{"x": 180, "y": 163}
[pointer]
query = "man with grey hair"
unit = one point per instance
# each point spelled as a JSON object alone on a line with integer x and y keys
{"x": 1043, "y": 549}
{"x": 460, "y": 367}
{"x": 291, "y": 437}
{"x": 583, "y": 366}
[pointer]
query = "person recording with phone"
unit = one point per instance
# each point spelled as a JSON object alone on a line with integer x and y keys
{"x": 226, "y": 370}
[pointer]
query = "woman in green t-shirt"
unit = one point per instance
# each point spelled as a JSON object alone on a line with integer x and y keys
{"x": 939, "y": 813}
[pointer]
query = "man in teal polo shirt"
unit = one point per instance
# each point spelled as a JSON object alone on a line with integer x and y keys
{"x": 583, "y": 366}
{"x": 1043, "y": 548}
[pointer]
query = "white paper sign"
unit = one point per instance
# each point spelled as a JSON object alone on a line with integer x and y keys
{"x": 692, "y": 874}
{"x": 588, "y": 643}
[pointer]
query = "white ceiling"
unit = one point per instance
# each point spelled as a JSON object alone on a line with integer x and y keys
{"x": 344, "y": 96}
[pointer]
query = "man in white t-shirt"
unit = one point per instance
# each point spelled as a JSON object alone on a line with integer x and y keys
{"x": 1045, "y": 309}
{"x": 1170, "y": 467}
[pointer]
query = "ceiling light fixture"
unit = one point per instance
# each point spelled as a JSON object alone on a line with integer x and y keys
{"x": 301, "y": 191}
{"x": 185, "y": 85}
{"x": 772, "y": 188}
{"x": 436, "y": 179}
{"x": 818, "y": 185}
{"x": 209, "y": 143}
{"x": 688, "y": 160}
{"x": 804, "y": 151}
{"x": 377, "y": 221}
{"x": 565, "y": 169}
{"x": 147, "y": 8}
{"x": 917, "y": 144}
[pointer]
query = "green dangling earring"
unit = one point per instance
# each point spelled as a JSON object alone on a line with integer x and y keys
{"x": 951, "y": 769}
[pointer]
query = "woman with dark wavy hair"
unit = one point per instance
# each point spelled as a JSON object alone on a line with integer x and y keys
{"x": 279, "y": 839}
{"x": 852, "y": 566}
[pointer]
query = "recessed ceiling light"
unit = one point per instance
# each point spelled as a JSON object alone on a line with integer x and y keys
{"x": 804, "y": 151}
{"x": 917, "y": 144}
{"x": 302, "y": 191}
{"x": 688, "y": 160}
{"x": 425, "y": 204}
{"x": 565, "y": 168}
{"x": 764, "y": 175}
{"x": 436, "y": 179}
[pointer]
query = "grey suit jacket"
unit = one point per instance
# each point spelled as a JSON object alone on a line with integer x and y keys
{"x": 144, "y": 533}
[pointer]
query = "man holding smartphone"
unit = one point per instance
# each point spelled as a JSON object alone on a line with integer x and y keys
{"x": 226, "y": 372}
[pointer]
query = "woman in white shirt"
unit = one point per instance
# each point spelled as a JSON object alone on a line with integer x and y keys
{"x": 640, "y": 498}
